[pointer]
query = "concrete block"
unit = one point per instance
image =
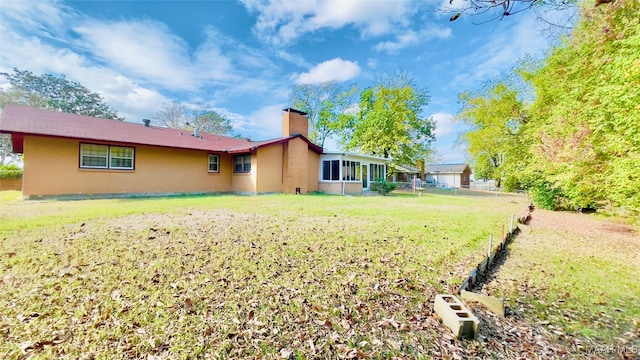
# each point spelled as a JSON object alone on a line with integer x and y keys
{"x": 456, "y": 316}
{"x": 483, "y": 265}
{"x": 493, "y": 304}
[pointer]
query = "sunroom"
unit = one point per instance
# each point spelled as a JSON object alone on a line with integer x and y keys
{"x": 348, "y": 173}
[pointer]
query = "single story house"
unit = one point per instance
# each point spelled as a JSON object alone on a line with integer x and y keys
{"x": 402, "y": 173}
{"x": 448, "y": 175}
{"x": 68, "y": 155}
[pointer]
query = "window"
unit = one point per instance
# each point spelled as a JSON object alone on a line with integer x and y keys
{"x": 331, "y": 170}
{"x": 214, "y": 163}
{"x": 350, "y": 170}
{"x": 93, "y": 156}
{"x": 242, "y": 163}
{"x": 120, "y": 157}
{"x": 377, "y": 172}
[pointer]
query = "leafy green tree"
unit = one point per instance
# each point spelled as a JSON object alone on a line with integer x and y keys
{"x": 326, "y": 104}
{"x": 496, "y": 117}
{"x": 56, "y": 93}
{"x": 389, "y": 123}
{"x": 585, "y": 120}
{"x": 213, "y": 123}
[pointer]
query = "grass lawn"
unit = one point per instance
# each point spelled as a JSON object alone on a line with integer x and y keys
{"x": 234, "y": 276}
{"x": 577, "y": 277}
{"x": 285, "y": 276}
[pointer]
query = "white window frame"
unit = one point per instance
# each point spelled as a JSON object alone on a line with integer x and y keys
{"x": 112, "y": 157}
{"x": 215, "y": 162}
{"x": 244, "y": 160}
{"x": 334, "y": 173}
{"x": 377, "y": 169}
{"x": 108, "y": 157}
{"x": 351, "y": 170}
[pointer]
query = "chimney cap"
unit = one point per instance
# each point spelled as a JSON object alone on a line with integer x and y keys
{"x": 146, "y": 122}
{"x": 295, "y": 111}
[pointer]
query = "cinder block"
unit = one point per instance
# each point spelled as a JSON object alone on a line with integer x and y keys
{"x": 493, "y": 304}
{"x": 456, "y": 316}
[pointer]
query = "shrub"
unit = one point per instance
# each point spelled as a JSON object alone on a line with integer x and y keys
{"x": 10, "y": 171}
{"x": 545, "y": 195}
{"x": 383, "y": 186}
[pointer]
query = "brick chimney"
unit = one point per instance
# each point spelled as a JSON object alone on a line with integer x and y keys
{"x": 294, "y": 122}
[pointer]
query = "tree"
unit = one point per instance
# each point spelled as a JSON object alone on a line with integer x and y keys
{"x": 496, "y": 118}
{"x": 174, "y": 115}
{"x": 585, "y": 123}
{"x": 326, "y": 104}
{"x": 56, "y": 93}
{"x": 213, "y": 123}
{"x": 15, "y": 96}
{"x": 498, "y": 9}
{"x": 389, "y": 123}
{"x": 178, "y": 115}
{"x": 578, "y": 141}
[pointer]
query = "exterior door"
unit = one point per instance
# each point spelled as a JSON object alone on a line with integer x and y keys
{"x": 365, "y": 179}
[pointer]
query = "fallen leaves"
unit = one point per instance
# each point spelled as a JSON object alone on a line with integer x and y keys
{"x": 209, "y": 285}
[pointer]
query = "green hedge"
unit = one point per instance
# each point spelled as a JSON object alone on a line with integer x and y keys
{"x": 383, "y": 187}
{"x": 10, "y": 172}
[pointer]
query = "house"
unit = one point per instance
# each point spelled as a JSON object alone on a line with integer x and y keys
{"x": 403, "y": 173}
{"x": 448, "y": 175}
{"x": 349, "y": 173}
{"x": 68, "y": 155}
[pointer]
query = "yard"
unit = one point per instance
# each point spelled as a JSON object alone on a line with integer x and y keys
{"x": 284, "y": 276}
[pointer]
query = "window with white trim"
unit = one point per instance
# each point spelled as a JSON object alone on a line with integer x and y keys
{"x": 377, "y": 172}
{"x": 350, "y": 170}
{"x": 242, "y": 163}
{"x": 214, "y": 163}
{"x": 331, "y": 170}
{"x": 94, "y": 156}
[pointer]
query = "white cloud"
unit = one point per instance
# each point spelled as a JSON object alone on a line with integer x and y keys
{"x": 145, "y": 49}
{"x": 330, "y": 70}
{"x": 283, "y": 21}
{"x": 264, "y": 123}
{"x": 445, "y": 125}
{"x": 411, "y": 38}
{"x": 454, "y": 5}
{"x": 450, "y": 154}
{"x": 135, "y": 64}
{"x": 47, "y": 18}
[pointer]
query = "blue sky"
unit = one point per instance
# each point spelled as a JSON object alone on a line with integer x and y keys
{"x": 243, "y": 57}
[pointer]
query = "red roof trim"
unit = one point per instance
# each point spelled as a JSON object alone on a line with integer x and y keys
{"x": 257, "y": 145}
{"x": 22, "y": 121}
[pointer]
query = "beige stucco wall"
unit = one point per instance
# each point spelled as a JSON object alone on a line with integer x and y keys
{"x": 335, "y": 187}
{"x": 270, "y": 172}
{"x": 330, "y": 187}
{"x": 52, "y": 168}
{"x": 245, "y": 182}
{"x": 313, "y": 171}
{"x": 10, "y": 184}
{"x": 353, "y": 188}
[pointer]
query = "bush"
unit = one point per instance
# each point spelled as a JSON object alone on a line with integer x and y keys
{"x": 10, "y": 171}
{"x": 383, "y": 186}
{"x": 545, "y": 195}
